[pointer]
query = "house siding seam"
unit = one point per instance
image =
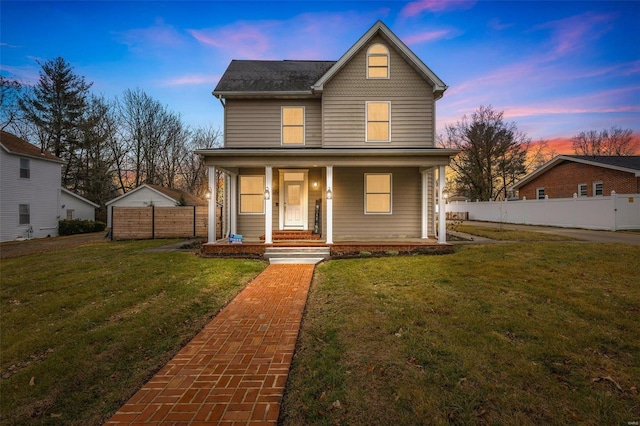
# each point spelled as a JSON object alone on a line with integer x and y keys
{"x": 562, "y": 181}
{"x": 251, "y": 123}
{"x": 344, "y": 98}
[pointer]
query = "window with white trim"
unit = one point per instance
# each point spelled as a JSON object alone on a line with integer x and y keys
{"x": 377, "y": 193}
{"x": 582, "y": 190}
{"x": 378, "y": 122}
{"x": 25, "y": 168}
{"x": 540, "y": 193}
{"x": 597, "y": 189}
{"x": 292, "y": 125}
{"x": 378, "y": 61}
{"x": 252, "y": 194}
{"x": 24, "y": 213}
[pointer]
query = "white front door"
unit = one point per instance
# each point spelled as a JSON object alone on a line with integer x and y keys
{"x": 293, "y": 192}
{"x": 293, "y": 200}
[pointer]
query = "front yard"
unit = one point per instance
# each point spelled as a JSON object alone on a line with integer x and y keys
{"x": 535, "y": 333}
{"x": 515, "y": 333}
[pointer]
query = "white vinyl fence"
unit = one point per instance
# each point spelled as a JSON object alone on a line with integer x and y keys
{"x": 615, "y": 212}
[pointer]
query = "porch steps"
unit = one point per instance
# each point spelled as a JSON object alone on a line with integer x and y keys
{"x": 292, "y": 236}
{"x": 296, "y": 255}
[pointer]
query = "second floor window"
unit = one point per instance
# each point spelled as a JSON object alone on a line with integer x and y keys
{"x": 378, "y": 122}
{"x": 252, "y": 194}
{"x": 540, "y": 193}
{"x": 25, "y": 168}
{"x": 293, "y": 125}
{"x": 378, "y": 61}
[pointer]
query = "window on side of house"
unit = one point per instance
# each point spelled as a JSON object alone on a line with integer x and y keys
{"x": 377, "y": 193}
{"x": 24, "y": 213}
{"x": 582, "y": 190}
{"x": 378, "y": 122}
{"x": 70, "y": 214}
{"x": 25, "y": 168}
{"x": 292, "y": 125}
{"x": 252, "y": 194}
{"x": 378, "y": 61}
{"x": 597, "y": 188}
{"x": 540, "y": 193}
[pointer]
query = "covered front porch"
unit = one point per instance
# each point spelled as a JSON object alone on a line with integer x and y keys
{"x": 351, "y": 200}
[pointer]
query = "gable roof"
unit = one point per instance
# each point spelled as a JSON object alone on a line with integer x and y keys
{"x": 79, "y": 198}
{"x": 379, "y": 28}
{"x": 295, "y": 78}
{"x": 624, "y": 163}
{"x": 18, "y": 146}
{"x": 171, "y": 194}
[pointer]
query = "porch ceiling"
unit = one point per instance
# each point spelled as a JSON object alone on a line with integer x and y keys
{"x": 321, "y": 157}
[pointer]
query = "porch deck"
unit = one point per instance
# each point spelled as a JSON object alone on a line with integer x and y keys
{"x": 339, "y": 249}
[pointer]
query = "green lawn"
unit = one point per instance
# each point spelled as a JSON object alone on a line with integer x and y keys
{"x": 503, "y": 234}
{"x": 536, "y": 333}
{"x": 84, "y": 328}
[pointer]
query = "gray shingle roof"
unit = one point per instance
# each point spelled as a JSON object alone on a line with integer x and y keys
{"x": 271, "y": 76}
{"x": 626, "y": 161}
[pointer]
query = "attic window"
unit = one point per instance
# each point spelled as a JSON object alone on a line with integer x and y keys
{"x": 378, "y": 61}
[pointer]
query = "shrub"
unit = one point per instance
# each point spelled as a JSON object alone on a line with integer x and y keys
{"x": 77, "y": 226}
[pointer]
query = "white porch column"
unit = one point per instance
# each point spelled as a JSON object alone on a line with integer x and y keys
{"x": 268, "y": 207}
{"x": 425, "y": 203}
{"x": 329, "y": 187}
{"x": 442, "y": 217}
{"x": 233, "y": 203}
{"x": 213, "y": 204}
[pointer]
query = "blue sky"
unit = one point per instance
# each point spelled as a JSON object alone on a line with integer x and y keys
{"x": 555, "y": 68}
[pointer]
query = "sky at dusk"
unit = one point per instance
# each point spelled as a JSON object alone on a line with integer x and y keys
{"x": 555, "y": 68}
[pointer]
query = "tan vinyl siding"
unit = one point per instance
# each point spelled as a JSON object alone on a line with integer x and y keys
{"x": 256, "y": 123}
{"x": 411, "y": 97}
{"x": 349, "y": 220}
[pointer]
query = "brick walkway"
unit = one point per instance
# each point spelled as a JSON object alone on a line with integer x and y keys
{"x": 234, "y": 371}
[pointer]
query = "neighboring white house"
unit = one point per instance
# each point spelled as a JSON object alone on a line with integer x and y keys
{"x": 147, "y": 195}
{"x": 73, "y": 206}
{"x": 29, "y": 190}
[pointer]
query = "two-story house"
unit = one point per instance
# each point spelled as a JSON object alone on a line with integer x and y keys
{"x": 30, "y": 189}
{"x": 344, "y": 149}
{"x": 32, "y": 200}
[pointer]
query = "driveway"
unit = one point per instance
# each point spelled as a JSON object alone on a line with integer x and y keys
{"x": 624, "y": 237}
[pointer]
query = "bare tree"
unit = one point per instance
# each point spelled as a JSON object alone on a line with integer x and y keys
{"x": 192, "y": 168}
{"x": 493, "y": 154}
{"x": 615, "y": 141}
{"x": 9, "y": 102}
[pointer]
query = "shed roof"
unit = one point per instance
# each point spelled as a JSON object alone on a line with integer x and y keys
{"x": 18, "y": 146}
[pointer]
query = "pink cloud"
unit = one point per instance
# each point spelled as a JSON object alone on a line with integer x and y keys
{"x": 192, "y": 80}
{"x": 572, "y": 34}
{"x": 272, "y": 39}
{"x": 426, "y": 36}
{"x": 417, "y": 7}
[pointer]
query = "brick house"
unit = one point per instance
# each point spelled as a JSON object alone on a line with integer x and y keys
{"x": 584, "y": 176}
